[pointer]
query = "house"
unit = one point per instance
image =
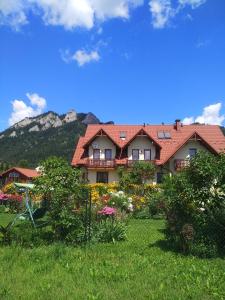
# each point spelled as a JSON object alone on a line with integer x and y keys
{"x": 106, "y": 147}
{"x": 18, "y": 175}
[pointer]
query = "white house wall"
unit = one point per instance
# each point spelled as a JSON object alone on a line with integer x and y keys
{"x": 183, "y": 153}
{"x": 141, "y": 143}
{"x": 102, "y": 143}
{"x": 92, "y": 175}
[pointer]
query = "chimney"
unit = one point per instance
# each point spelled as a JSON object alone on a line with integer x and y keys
{"x": 177, "y": 125}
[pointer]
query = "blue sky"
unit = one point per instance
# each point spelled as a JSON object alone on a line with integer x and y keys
{"x": 131, "y": 61}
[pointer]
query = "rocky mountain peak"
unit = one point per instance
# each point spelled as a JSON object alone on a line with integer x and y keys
{"x": 22, "y": 123}
{"x": 49, "y": 120}
{"x": 71, "y": 116}
{"x": 90, "y": 119}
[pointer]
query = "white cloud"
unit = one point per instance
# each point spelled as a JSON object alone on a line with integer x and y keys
{"x": 35, "y": 99}
{"x": 82, "y": 57}
{"x": 114, "y": 8}
{"x": 188, "y": 120}
{"x": 162, "y": 10}
{"x": 12, "y": 12}
{"x": 21, "y": 110}
{"x": 211, "y": 115}
{"x": 192, "y": 3}
{"x": 67, "y": 13}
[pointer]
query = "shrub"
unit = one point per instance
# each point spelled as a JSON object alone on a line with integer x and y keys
{"x": 100, "y": 189}
{"x": 61, "y": 186}
{"x": 156, "y": 204}
{"x": 121, "y": 201}
{"x": 204, "y": 249}
{"x": 9, "y": 188}
{"x": 110, "y": 231}
{"x": 142, "y": 213}
{"x": 139, "y": 174}
{"x": 196, "y": 198}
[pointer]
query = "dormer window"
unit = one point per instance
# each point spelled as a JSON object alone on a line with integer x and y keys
{"x": 164, "y": 135}
{"x": 123, "y": 135}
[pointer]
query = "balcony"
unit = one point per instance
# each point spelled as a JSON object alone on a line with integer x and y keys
{"x": 100, "y": 163}
{"x": 181, "y": 163}
{"x": 131, "y": 162}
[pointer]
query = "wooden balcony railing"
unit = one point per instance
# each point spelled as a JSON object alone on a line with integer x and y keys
{"x": 181, "y": 163}
{"x": 100, "y": 163}
{"x": 131, "y": 162}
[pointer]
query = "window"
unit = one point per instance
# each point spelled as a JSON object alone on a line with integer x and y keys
{"x": 135, "y": 154}
{"x": 123, "y": 135}
{"x": 167, "y": 135}
{"x": 96, "y": 154}
{"x": 147, "y": 154}
{"x": 102, "y": 177}
{"x": 14, "y": 176}
{"x": 108, "y": 154}
{"x": 192, "y": 152}
{"x": 159, "y": 177}
{"x": 164, "y": 135}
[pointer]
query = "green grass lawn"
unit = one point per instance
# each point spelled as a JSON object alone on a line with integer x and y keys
{"x": 135, "y": 269}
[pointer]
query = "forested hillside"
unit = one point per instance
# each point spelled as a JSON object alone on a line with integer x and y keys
{"x": 31, "y": 140}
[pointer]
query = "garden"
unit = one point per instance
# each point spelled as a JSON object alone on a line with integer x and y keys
{"x": 129, "y": 240}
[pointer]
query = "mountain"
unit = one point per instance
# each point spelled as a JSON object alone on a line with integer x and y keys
{"x": 34, "y": 139}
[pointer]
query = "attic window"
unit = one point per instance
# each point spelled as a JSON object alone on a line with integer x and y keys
{"x": 164, "y": 135}
{"x": 123, "y": 135}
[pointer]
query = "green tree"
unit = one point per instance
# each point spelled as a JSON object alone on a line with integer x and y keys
{"x": 23, "y": 163}
{"x": 61, "y": 186}
{"x": 142, "y": 172}
{"x": 196, "y": 204}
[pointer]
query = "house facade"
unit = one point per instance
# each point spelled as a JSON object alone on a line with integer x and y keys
{"x": 104, "y": 148}
{"x": 20, "y": 175}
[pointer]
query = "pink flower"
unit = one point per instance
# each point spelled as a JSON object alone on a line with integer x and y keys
{"x": 10, "y": 197}
{"x": 107, "y": 211}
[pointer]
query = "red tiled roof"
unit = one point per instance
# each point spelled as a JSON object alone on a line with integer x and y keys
{"x": 29, "y": 173}
{"x": 211, "y": 135}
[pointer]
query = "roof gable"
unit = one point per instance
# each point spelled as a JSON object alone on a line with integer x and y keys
{"x": 141, "y": 132}
{"x": 100, "y": 132}
{"x": 211, "y": 136}
{"x": 195, "y": 135}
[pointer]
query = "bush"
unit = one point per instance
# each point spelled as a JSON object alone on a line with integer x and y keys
{"x": 196, "y": 205}
{"x": 156, "y": 204}
{"x": 61, "y": 186}
{"x": 204, "y": 249}
{"x": 110, "y": 230}
{"x": 142, "y": 213}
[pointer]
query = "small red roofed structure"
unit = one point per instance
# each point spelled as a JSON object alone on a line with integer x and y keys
{"x": 16, "y": 174}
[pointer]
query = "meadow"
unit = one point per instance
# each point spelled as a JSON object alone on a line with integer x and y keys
{"x": 139, "y": 268}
